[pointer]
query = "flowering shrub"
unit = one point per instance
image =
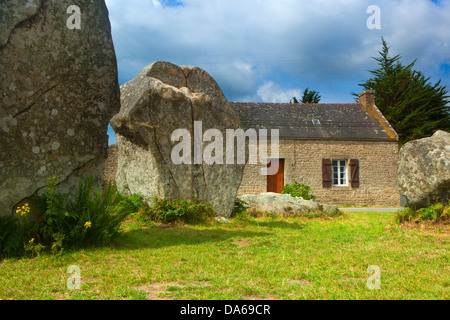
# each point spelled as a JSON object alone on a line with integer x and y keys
{"x": 33, "y": 248}
{"x": 89, "y": 216}
{"x": 66, "y": 220}
{"x": 14, "y": 231}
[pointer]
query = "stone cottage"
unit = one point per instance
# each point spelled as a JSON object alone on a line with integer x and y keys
{"x": 347, "y": 153}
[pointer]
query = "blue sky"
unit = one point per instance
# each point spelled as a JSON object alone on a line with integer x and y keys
{"x": 271, "y": 50}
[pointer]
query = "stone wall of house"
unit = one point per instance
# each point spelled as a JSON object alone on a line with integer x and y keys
{"x": 303, "y": 163}
{"x": 111, "y": 163}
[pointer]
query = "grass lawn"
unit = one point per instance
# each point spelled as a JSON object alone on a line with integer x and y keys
{"x": 262, "y": 258}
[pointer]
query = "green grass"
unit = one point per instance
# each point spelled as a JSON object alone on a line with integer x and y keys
{"x": 262, "y": 258}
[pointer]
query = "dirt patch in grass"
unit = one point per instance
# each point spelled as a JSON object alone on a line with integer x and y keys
{"x": 154, "y": 290}
{"x": 427, "y": 227}
{"x": 242, "y": 242}
{"x": 301, "y": 282}
{"x": 84, "y": 280}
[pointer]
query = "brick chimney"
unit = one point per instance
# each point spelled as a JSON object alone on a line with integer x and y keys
{"x": 367, "y": 98}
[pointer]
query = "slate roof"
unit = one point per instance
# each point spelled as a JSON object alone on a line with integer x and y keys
{"x": 335, "y": 121}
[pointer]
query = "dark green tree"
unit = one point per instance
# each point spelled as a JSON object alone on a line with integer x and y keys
{"x": 413, "y": 106}
{"x": 308, "y": 97}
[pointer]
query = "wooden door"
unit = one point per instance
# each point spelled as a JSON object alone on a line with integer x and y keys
{"x": 275, "y": 182}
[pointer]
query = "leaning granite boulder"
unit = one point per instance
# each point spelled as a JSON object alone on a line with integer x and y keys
{"x": 284, "y": 204}
{"x": 423, "y": 175}
{"x": 161, "y": 100}
{"x": 59, "y": 91}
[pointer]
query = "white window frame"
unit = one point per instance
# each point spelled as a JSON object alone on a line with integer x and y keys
{"x": 339, "y": 172}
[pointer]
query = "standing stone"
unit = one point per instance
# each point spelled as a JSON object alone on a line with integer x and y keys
{"x": 423, "y": 175}
{"x": 161, "y": 99}
{"x": 59, "y": 90}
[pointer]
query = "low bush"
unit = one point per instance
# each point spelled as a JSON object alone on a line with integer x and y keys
{"x": 298, "y": 190}
{"x": 437, "y": 213}
{"x": 89, "y": 217}
{"x": 239, "y": 209}
{"x": 14, "y": 231}
{"x": 171, "y": 211}
{"x": 58, "y": 221}
{"x": 11, "y": 237}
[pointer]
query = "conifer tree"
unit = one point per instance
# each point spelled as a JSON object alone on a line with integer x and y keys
{"x": 413, "y": 106}
{"x": 308, "y": 97}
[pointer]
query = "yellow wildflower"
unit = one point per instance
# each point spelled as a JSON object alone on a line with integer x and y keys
{"x": 23, "y": 210}
{"x": 88, "y": 224}
{"x": 31, "y": 241}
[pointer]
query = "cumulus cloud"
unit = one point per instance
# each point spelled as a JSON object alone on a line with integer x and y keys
{"x": 270, "y": 92}
{"x": 260, "y": 50}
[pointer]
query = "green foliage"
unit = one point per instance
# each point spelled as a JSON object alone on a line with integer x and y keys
{"x": 298, "y": 190}
{"x": 308, "y": 97}
{"x": 14, "y": 231}
{"x": 133, "y": 203}
{"x": 11, "y": 237}
{"x": 239, "y": 209}
{"x": 184, "y": 211}
{"x": 436, "y": 213}
{"x": 59, "y": 221}
{"x": 87, "y": 217}
{"x": 35, "y": 248}
{"x": 54, "y": 217}
{"x": 415, "y": 107}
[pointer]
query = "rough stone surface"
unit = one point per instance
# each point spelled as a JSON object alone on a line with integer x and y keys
{"x": 222, "y": 220}
{"x": 283, "y": 203}
{"x": 423, "y": 175}
{"x": 59, "y": 91}
{"x": 109, "y": 175}
{"x": 161, "y": 99}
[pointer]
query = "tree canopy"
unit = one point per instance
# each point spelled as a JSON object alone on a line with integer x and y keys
{"x": 414, "y": 106}
{"x": 308, "y": 97}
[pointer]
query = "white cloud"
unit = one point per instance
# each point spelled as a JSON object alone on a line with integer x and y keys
{"x": 156, "y": 3}
{"x": 270, "y": 92}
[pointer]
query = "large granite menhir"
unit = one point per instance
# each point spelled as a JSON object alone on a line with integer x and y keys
{"x": 161, "y": 99}
{"x": 423, "y": 175}
{"x": 59, "y": 89}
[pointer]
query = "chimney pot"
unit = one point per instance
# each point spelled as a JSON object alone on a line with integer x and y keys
{"x": 367, "y": 98}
